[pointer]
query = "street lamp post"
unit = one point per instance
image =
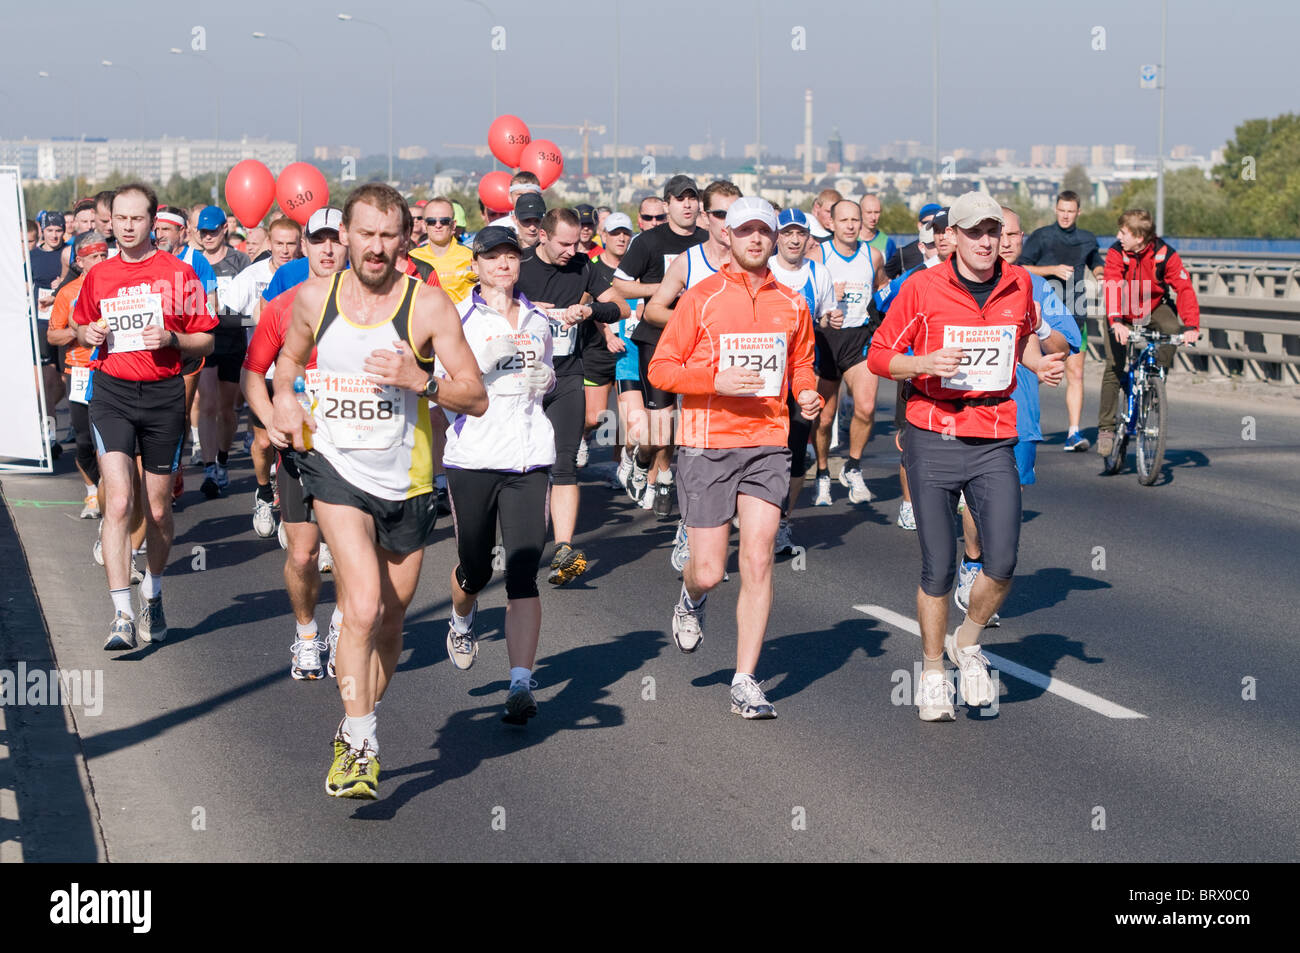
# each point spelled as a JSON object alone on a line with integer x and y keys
{"x": 1160, "y": 146}
{"x": 216, "y": 171}
{"x": 259, "y": 35}
{"x": 392, "y": 58}
{"x": 493, "y": 17}
{"x": 139, "y": 110}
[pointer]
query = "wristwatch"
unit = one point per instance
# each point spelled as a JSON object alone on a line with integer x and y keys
{"x": 430, "y": 391}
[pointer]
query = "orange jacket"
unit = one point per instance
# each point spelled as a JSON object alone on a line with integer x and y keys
{"x": 725, "y": 321}
{"x": 64, "y": 301}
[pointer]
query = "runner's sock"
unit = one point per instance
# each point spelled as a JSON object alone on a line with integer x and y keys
{"x": 151, "y": 588}
{"x": 520, "y": 674}
{"x": 690, "y": 603}
{"x": 932, "y": 664}
{"x": 362, "y": 730}
{"x": 461, "y": 623}
{"x": 122, "y": 601}
{"x": 223, "y": 457}
{"x": 823, "y": 472}
{"x": 736, "y": 679}
{"x": 90, "y": 489}
{"x": 336, "y": 619}
{"x": 265, "y": 492}
{"x": 968, "y": 633}
{"x": 853, "y": 463}
{"x": 306, "y": 630}
{"x": 977, "y": 558}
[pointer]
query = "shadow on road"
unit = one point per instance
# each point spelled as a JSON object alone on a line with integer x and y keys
{"x": 470, "y": 737}
{"x": 1040, "y": 652}
{"x": 1046, "y": 588}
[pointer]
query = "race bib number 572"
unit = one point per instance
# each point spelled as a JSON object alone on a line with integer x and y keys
{"x": 988, "y": 356}
{"x": 127, "y": 317}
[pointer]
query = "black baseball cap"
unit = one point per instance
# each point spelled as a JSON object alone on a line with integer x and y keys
{"x": 494, "y": 236}
{"x": 586, "y": 215}
{"x": 940, "y": 221}
{"x": 529, "y": 205}
{"x": 53, "y": 218}
{"x": 679, "y": 185}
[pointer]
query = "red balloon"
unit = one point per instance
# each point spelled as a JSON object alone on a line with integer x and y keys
{"x": 494, "y": 192}
{"x": 507, "y": 137}
{"x": 250, "y": 190}
{"x": 301, "y": 190}
{"x": 542, "y": 158}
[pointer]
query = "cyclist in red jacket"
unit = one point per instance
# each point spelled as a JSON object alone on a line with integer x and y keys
{"x": 1141, "y": 272}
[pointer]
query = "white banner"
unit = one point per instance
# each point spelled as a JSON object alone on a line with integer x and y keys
{"x": 22, "y": 401}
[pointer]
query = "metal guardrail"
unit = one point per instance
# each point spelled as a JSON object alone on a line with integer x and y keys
{"x": 1250, "y": 316}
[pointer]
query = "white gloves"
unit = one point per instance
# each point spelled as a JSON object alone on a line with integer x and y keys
{"x": 497, "y": 350}
{"x": 538, "y": 379}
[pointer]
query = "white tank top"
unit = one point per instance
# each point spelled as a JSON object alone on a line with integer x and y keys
{"x": 697, "y": 266}
{"x": 376, "y": 436}
{"x": 859, "y": 279}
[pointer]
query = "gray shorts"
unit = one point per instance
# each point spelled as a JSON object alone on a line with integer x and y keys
{"x": 708, "y": 481}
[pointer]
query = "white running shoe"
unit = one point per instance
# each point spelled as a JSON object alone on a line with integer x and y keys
{"x": 858, "y": 492}
{"x": 967, "y": 572}
{"x": 906, "y": 518}
{"x": 748, "y": 700}
{"x": 325, "y": 561}
{"x": 462, "y": 647}
{"x": 306, "y": 659}
{"x": 97, "y": 550}
{"x": 823, "y": 492}
{"x": 90, "y": 511}
{"x": 784, "y": 542}
{"x": 333, "y": 638}
{"x": 647, "y": 499}
{"x": 934, "y": 697}
{"x": 974, "y": 683}
{"x": 263, "y": 518}
{"x": 681, "y": 548}
{"x": 283, "y": 536}
{"x": 688, "y": 625}
{"x": 637, "y": 482}
{"x": 584, "y": 454}
{"x": 624, "y": 471}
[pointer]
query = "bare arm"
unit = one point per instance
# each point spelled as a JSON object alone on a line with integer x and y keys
{"x": 634, "y": 289}
{"x": 288, "y": 417}
{"x": 658, "y": 310}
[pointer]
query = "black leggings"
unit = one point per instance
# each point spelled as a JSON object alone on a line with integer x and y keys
{"x": 87, "y": 459}
{"x": 939, "y": 469}
{"x": 566, "y": 408}
{"x": 478, "y": 497}
{"x": 800, "y": 429}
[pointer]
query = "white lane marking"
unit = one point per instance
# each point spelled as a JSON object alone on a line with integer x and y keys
{"x": 1048, "y": 683}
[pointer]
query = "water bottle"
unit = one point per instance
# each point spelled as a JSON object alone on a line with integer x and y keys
{"x": 304, "y": 399}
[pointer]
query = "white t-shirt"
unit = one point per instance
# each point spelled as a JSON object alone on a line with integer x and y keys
{"x": 246, "y": 287}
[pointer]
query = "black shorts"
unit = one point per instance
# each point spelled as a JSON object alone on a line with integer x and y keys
{"x": 800, "y": 430}
{"x": 566, "y": 408}
{"x": 191, "y": 366}
{"x": 655, "y": 399}
{"x": 840, "y": 349}
{"x": 401, "y": 526}
{"x": 293, "y": 505}
{"x": 228, "y": 350}
{"x": 598, "y": 365}
{"x": 145, "y": 417}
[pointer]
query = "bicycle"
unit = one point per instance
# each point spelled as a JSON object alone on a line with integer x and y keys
{"x": 1143, "y": 413}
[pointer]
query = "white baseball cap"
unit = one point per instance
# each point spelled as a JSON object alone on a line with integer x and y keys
{"x": 972, "y": 208}
{"x": 324, "y": 220}
{"x": 616, "y": 220}
{"x": 750, "y": 208}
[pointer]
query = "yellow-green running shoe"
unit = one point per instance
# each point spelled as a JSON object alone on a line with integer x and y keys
{"x": 362, "y": 778}
{"x": 338, "y": 771}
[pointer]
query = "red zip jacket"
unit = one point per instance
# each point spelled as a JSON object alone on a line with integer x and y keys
{"x": 932, "y": 307}
{"x": 1131, "y": 289}
{"x": 722, "y": 322}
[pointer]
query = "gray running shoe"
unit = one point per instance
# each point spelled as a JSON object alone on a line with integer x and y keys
{"x": 121, "y": 635}
{"x": 150, "y": 621}
{"x": 748, "y": 700}
{"x": 520, "y": 703}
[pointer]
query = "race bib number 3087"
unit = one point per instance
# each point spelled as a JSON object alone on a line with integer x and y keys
{"x": 988, "y": 360}
{"x": 127, "y": 317}
{"x": 761, "y": 352}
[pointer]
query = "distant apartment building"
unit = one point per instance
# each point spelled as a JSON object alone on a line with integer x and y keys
{"x": 818, "y": 153}
{"x": 658, "y": 149}
{"x": 1102, "y": 156}
{"x": 701, "y": 150}
{"x": 326, "y": 153}
{"x": 1067, "y": 156}
{"x": 1125, "y": 154}
{"x": 153, "y": 160}
{"x": 412, "y": 152}
{"x": 1042, "y": 155}
{"x": 1004, "y": 156}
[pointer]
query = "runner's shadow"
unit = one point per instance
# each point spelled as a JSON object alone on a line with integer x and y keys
{"x": 804, "y": 657}
{"x": 1046, "y": 588}
{"x": 470, "y": 737}
{"x": 1040, "y": 652}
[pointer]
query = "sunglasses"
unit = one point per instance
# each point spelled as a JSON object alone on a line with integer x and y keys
{"x": 655, "y": 218}
{"x": 718, "y": 213}
{"x": 438, "y": 221}
{"x": 209, "y": 232}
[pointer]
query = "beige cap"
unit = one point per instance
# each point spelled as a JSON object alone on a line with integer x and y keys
{"x": 972, "y": 208}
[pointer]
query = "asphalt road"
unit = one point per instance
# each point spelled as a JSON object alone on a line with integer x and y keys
{"x": 1146, "y": 660}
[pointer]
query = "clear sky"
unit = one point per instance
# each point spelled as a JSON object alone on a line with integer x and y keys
{"x": 1012, "y": 72}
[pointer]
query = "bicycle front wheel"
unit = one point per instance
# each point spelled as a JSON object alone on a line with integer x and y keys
{"x": 1151, "y": 433}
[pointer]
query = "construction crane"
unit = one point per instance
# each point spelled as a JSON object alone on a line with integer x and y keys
{"x": 586, "y": 129}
